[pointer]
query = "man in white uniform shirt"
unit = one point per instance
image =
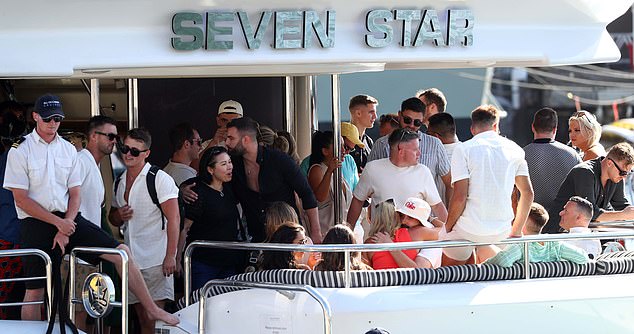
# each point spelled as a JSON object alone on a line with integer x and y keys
{"x": 43, "y": 176}
{"x": 152, "y": 235}
{"x": 484, "y": 171}
{"x": 185, "y": 142}
{"x": 575, "y": 218}
{"x": 398, "y": 177}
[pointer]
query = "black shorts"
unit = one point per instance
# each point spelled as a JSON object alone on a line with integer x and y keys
{"x": 38, "y": 234}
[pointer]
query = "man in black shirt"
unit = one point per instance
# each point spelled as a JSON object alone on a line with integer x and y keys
{"x": 262, "y": 176}
{"x": 600, "y": 181}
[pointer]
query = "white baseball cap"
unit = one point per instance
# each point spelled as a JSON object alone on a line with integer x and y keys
{"x": 232, "y": 107}
{"x": 418, "y": 209}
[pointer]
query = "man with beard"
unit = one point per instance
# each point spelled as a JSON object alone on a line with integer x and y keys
{"x": 262, "y": 176}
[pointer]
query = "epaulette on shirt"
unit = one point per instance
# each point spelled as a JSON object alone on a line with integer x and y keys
{"x": 17, "y": 142}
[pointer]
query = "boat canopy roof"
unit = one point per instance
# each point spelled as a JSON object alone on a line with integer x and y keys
{"x": 191, "y": 38}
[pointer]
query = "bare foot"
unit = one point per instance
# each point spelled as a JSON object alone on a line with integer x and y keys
{"x": 159, "y": 314}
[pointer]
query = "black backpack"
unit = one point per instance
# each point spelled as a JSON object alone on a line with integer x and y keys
{"x": 150, "y": 179}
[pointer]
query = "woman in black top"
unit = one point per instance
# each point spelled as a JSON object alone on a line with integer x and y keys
{"x": 213, "y": 216}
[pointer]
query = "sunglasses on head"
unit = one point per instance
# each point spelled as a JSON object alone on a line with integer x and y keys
{"x": 111, "y": 136}
{"x": 621, "y": 172}
{"x": 135, "y": 152}
{"x": 408, "y": 120}
{"x": 57, "y": 119}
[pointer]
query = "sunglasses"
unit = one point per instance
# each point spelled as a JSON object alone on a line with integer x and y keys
{"x": 408, "y": 120}
{"x": 111, "y": 136}
{"x": 621, "y": 172}
{"x": 135, "y": 152}
{"x": 303, "y": 241}
{"x": 57, "y": 119}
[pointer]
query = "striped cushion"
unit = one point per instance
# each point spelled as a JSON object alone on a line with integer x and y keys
{"x": 373, "y": 278}
{"x": 617, "y": 265}
{"x": 561, "y": 269}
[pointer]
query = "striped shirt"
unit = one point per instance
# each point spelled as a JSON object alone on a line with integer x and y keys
{"x": 432, "y": 153}
{"x": 549, "y": 162}
{"x": 551, "y": 251}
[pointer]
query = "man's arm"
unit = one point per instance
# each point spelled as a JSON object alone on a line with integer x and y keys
{"x": 457, "y": 203}
{"x": 315, "y": 230}
{"x": 446, "y": 180}
{"x": 35, "y": 210}
{"x": 625, "y": 214}
{"x": 523, "y": 184}
{"x": 572, "y": 253}
{"x": 440, "y": 211}
{"x": 354, "y": 211}
{"x": 74, "y": 201}
{"x": 172, "y": 214}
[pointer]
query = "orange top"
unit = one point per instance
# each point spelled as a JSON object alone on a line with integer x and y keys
{"x": 384, "y": 260}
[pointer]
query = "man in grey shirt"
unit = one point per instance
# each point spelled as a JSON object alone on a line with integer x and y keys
{"x": 548, "y": 161}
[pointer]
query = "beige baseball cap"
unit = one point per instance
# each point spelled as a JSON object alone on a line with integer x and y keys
{"x": 232, "y": 107}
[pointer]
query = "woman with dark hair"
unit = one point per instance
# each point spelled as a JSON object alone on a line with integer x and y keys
{"x": 323, "y": 164}
{"x": 335, "y": 261}
{"x": 213, "y": 216}
{"x": 287, "y": 233}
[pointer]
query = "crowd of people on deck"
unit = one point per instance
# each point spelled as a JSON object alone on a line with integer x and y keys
{"x": 417, "y": 182}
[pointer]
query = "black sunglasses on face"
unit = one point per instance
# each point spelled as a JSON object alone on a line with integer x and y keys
{"x": 111, "y": 136}
{"x": 57, "y": 119}
{"x": 621, "y": 172}
{"x": 408, "y": 120}
{"x": 135, "y": 152}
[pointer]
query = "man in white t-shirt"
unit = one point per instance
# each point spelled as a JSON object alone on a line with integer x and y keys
{"x": 575, "y": 218}
{"x": 185, "y": 142}
{"x": 484, "y": 171}
{"x": 102, "y": 135}
{"x": 152, "y": 235}
{"x": 398, "y": 177}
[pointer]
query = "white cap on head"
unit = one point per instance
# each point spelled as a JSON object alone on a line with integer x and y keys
{"x": 232, "y": 107}
{"x": 418, "y": 209}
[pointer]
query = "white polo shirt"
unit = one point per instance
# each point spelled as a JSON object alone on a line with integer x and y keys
{"x": 592, "y": 247}
{"x": 382, "y": 180}
{"x": 92, "y": 188}
{"x": 45, "y": 170}
{"x": 144, "y": 234}
{"x": 491, "y": 163}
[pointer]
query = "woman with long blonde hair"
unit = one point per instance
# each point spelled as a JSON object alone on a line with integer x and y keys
{"x": 585, "y": 131}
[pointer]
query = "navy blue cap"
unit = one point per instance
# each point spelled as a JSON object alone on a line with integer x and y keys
{"x": 49, "y": 105}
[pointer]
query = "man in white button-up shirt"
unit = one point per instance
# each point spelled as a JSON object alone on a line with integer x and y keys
{"x": 152, "y": 235}
{"x": 43, "y": 176}
{"x": 484, "y": 171}
{"x": 575, "y": 218}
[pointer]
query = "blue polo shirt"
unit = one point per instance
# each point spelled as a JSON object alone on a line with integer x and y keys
{"x": 9, "y": 222}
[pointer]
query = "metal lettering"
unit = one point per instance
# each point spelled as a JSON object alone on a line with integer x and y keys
{"x": 196, "y": 34}
{"x": 429, "y": 29}
{"x": 254, "y": 40}
{"x": 213, "y": 31}
{"x": 325, "y": 35}
{"x": 284, "y": 30}
{"x": 407, "y": 16}
{"x": 460, "y": 27}
{"x": 383, "y": 28}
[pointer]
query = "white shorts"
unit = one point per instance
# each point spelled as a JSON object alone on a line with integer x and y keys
{"x": 463, "y": 253}
{"x": 160, "y": 287}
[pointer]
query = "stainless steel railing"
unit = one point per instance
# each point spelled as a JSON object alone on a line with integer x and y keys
{"x": 347, "y": 249}
{"x": 124, "y": 281}
{"x": 49, "y": 282}
{"x": 325, "y": 306}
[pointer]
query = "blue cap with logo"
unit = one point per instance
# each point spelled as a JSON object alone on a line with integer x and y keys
{"x": 49, "y": 105}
